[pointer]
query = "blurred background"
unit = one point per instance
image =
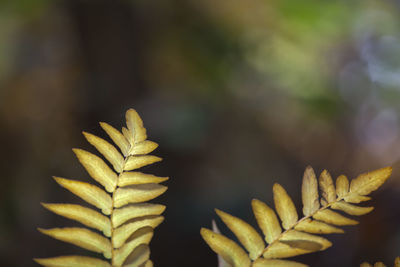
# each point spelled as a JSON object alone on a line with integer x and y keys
{"x": 239, "y": 95}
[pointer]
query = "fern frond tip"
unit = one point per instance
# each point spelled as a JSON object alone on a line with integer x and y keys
{"x": 368, "y": 182}
{"x": 300, "y": 236}
{"x": 126, "y": 229}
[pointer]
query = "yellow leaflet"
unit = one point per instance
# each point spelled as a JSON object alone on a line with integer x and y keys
{"x": 72, "y": 261}
{"x": 142, "y": 236}
{"x": 267, "y": 220}
{"x": 342, "y": 186}
{"x": 367, "y": 182}
{"x": 333, "y": 217}
{"x": 97, "y": 169}
{"x": 127, "y": 134}
{"x": 122, "y": 215}
{"x": 327, "y": 187}
{"x": 88, "y": 192}
{"x": 276, "y": 263}
{"x": 309, "y": 192}
{"x": 365, "y": 264}
{"x": 149, "y": 263}
{"x": 228, "y": 249}
{"x": 83, "y": 215}
{"x": 246, "y": 234}
{"x": 143, "y": 148}
{"x": 135, "y": 126}
{"x": 351, "y": 209}
{"x": 284, "y": 206}
{"x": 136, "y": 162}
{"x": 281, "y": 250}
{"x": 354, "y": 198}
{"x": 132, "y": 178}
{"x": 293, "y": 235}
{"x": 317, "y": 227}
{"x": 107, "y": 150}
{"x": 137, "y": 194}
{"x": 139, "y": 256}
{"x": 121, "y": 234}
{"x": 81, "y": 237}
{"x": 397, "y": 262}
{"x": 117, "y": 137}
{"x": 221, "y": 261}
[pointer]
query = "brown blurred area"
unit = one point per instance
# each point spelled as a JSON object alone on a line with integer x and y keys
{"x": 238, "y": 94}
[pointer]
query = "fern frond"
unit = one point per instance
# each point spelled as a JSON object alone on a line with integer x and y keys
{"x": 126, "y": 221}
{"x": 381, "y": 264}
{"x": 299, "y": 236}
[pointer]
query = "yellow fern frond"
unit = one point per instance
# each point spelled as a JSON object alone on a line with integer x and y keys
{"x": 126, "y": 221}
{"x": 381, "y": 264}
{"x": 299, "y": 236}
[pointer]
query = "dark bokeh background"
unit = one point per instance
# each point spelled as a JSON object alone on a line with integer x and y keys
{"x": 239, "y": 95}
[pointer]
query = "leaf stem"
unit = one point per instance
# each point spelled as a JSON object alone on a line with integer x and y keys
{"x": 112, "y": 207}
